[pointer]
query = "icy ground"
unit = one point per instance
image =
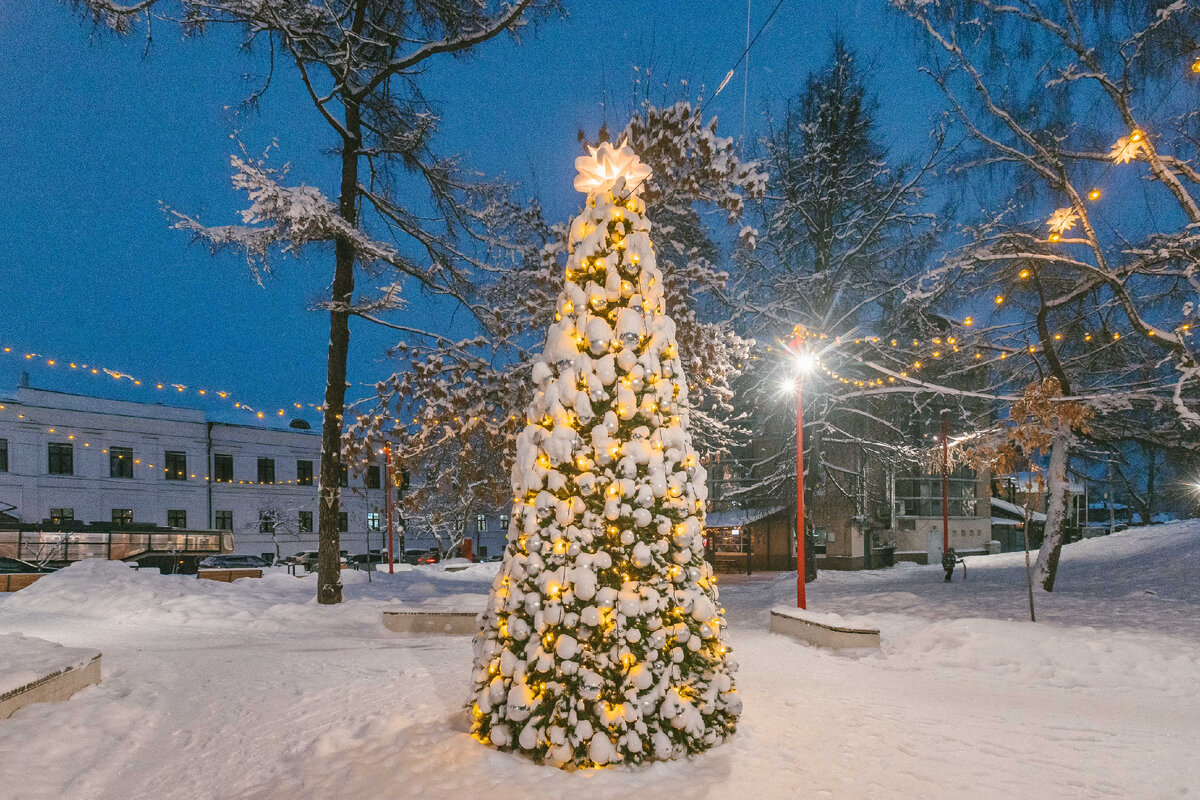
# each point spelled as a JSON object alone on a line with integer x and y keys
{"x": 250, "y": 690}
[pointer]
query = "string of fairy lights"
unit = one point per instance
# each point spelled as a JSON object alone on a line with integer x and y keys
{"x": 175, "y": 388}
{"x": 1125, "y": 150}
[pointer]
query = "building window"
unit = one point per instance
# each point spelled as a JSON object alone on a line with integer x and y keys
{"x": 3, "y": 455}
{"x": 920, "y": 495}
{"x": 480, "y": 523}
{"x": 60, "y": 515}
{"x": 373, "y": 476}
{"x": 224, "y": 520}
{"x": 120, "y": 462}
{"x": 61, "y": 457}
{"x": 122, "y": 516}
{"x": 306, "y": 522}
{"x": 343, "y": 476}
{"x": 266, "y": 522}
{"x": 222, "y": 468}
{"x": 304, "y": 473}
{"x": 177, "y": 518}
{"x": 343, "y": 521}
{"x": 266, "y": 470}
{"x": 373, "y": 520}
{"x": 176, "y": 466}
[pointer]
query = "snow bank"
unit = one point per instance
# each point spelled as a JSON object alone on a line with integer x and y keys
{"x": 112, "y": 591}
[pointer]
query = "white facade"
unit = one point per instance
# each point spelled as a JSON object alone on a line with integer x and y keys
{"x": 45, "y": 432}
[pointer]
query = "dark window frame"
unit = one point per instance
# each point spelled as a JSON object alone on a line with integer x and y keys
{"x": 266, "y": 471}
{"x": 223, "y": 520}
{"x": 60, "y": 458}
{"x": 343, "y": 522}
{"x": 63, "y": 515}
{"x": 120, "y": 462}
{"x": 122, "y": 516}
{"x": 304, "y": 522}
{"x": 304, "y": 472}
{"x": 176, "y": 517}
{"x": 172, "y": 461}
{"x": 223, "y": 467}
{"x": 3, "y": 455}
{"x": 374, "y": 477}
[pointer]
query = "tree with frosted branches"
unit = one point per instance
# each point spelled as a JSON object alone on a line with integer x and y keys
{"x": 404, "y": 218}
{"x": 603, "y": 638}
{"x": 1085, "y": 288}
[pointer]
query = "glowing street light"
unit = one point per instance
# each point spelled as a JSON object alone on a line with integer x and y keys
{"x": 805, "y": 363}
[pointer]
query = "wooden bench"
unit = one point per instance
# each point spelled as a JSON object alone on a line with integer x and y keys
{"x": 807, "y": 627}
{"x": 432, "y": 621}
{"x": 12, "y": 582}
{"x": 227, "y": 575}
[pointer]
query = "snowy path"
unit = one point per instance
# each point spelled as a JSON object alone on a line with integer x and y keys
{"x": 251, "y": 691}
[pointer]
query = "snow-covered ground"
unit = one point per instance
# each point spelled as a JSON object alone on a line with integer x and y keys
{"x": 250, "y": 690}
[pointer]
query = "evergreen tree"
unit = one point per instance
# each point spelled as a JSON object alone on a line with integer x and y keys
{"x": 602, "y": 641}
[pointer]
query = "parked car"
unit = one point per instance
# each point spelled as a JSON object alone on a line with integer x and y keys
{"x": 370, "y": 557}
{"x": 422, "y": 556}
{"x": 234, "y": 562}
{"x": 13, "y": 566}
{"x": 308, "y": 559}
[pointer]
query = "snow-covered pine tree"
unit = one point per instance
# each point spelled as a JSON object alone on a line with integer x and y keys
{"x": 603, "y": 639}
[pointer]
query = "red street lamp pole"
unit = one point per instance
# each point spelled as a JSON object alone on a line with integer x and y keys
{"x": 391, "y": 486}
{"x": 946, "y": 483}
{"x": 801, "y": 600}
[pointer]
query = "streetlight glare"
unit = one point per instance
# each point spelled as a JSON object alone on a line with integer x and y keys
{"x": 787, "y": 386}
{"x": 805, "y": 362}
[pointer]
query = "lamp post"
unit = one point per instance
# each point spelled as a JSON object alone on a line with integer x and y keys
{"x": 390, "y": 483}
{"x": 804, "y": 363}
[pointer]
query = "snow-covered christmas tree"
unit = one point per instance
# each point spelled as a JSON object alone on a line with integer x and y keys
{"x": 603, "y": 639}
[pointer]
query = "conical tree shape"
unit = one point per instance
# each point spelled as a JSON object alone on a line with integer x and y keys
{"x": 602, "y": 641}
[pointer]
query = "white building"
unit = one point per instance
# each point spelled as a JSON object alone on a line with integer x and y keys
{"x": 74, "y": 457}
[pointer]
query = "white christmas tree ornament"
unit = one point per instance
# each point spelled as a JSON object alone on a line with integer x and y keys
{"x": 603, "y": 641}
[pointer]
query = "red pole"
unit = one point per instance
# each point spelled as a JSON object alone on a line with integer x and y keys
{"x": 801, "y": 601}
{"x": 390, "y": 483}
{"x": 945, "y": 481}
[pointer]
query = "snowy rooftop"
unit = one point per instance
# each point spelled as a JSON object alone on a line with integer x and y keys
{"x": 736, "y": 517}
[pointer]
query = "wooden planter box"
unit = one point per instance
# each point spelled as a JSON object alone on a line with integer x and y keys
{"x": 227, "y": 575}
{"x": 804, "y": 627}
{"x": 460, "y": 623}
{"x": 17, "y": 581}
{"x": 54, "y": 687}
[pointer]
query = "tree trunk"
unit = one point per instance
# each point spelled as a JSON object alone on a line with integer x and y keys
{"x": 329, "y": 571}
{"x": 1056, "y": 507}
{"x": 1151, "y": 468}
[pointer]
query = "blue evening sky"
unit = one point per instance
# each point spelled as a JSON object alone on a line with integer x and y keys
{"x": 97, "y": 134}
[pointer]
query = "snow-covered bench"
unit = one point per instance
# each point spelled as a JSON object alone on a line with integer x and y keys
{"x": 430, "y": 621}
{"x": 38, "y": 671}
{"x": 822, "y": 630}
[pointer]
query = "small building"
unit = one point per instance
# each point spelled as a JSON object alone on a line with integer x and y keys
{"x": 746, "y": 540}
